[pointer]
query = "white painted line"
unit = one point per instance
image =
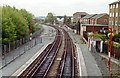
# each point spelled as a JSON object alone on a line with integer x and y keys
{"x": 82, "y": 66}
{"x": 24, "y": 67}
{"x": 80, "y": 70}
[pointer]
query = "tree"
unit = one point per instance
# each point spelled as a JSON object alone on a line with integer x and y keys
{"x": 28, "y": 17}
{"x": 8, "y": 31}
{"x": 0, "y": 25}
{"x": 67, "y": 20}
{"x": 15, "y": 24}
{"x": 50, "y": 18}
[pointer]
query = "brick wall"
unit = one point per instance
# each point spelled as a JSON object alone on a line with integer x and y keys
{"x": 102, "y": 20}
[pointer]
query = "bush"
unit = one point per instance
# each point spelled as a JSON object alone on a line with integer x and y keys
{"x": 102, "y": 36}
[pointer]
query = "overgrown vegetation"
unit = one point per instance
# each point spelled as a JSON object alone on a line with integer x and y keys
{"x": 67, "y": 20}
{"x": 102, "y": 36}
{"x": 0, "y": 25}
{"x": 106, "y": 41}
{"x": 38, "y": 26}
{"x": 15, "y": 24}
{"x": 50, "y": 19}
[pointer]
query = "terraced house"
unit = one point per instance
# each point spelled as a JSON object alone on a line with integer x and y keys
{"x": 114, "y": 16}
{"x": 101, "y": 19}
{"x": 86, "y": 19}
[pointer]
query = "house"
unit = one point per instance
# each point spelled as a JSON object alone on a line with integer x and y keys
{"x": 78, "y": 15}
{"x": 88, "y": 28}
{"x": 102, "y": 19}
{"x": 114, "y": 16}
{"x": 86, "y": 19}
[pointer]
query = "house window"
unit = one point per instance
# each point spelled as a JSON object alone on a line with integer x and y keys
{"x": 80, "y": 19}
{"x": 117, "y": 5}
{"x": 113, "y": 15}
{"x": 95, "y": 21}
{"x": 111, "y": 6}
{"x": 114, "y": 6}
{"x": 105, "y": 20}
{"x": 84, "y": 19}
{"x": 116, "y": 23}
{"x": 110, "y": 23}
{"x": 110, "y": 14}
{"x": 119, "y": 23}
{"x": 116, "y": 14}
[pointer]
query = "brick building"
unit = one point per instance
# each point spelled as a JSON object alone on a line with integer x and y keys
{"x": 88, "y": 28}
{"x": 102, "y": 19}
{"x": 86, "y": 19}
{"x": 114, "y": 16}
{"x": 78, "y": 15}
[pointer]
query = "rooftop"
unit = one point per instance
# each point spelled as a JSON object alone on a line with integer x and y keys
{"x": 95, "y": 38}
{"x": 118, "y": 1}
{"x": 81, "y": 13}
{"x": 98, "y": 16}
{"x": 94, "y": 25}
{"x": 89, "y": 16}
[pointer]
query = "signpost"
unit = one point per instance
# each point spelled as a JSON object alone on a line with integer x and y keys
{"x": 93, "y": 35}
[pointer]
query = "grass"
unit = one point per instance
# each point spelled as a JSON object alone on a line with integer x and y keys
{"x": 102, "y": 36}
{"x": 38, "y": 26}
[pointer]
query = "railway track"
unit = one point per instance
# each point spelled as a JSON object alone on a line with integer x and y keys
{"x": 40, "y": 67}
{"x": 67, "y": 65}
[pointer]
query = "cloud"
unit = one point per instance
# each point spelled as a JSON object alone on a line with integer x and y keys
{"x": 60, "y": 7}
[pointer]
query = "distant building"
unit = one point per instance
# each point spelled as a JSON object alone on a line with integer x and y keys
{"x": 78, "y": 15}
{"x": 114, "y": 16}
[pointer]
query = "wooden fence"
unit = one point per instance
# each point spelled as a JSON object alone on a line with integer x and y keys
{"x": 115, "y": 51}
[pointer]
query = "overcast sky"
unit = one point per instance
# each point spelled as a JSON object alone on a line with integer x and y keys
{"x": 60, "y": 7}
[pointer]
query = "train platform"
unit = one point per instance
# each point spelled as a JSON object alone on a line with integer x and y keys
{"x": 48, "y": 36}
{"x": 87, "y": 64}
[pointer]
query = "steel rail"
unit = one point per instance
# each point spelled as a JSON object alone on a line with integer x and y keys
{"x": 30, "y": 71}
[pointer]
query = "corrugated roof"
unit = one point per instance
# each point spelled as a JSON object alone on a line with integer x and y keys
{"x": 118, "y": 1}
{"x": 88, "y": 16}
{"x": 94, "y": 25}
{"x": 98, "y": 16}
{"x": 95, "y": 38}
{"x": 81, "y": 13}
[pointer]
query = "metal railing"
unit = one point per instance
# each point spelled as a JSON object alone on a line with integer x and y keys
{"x": 19, "y": 47}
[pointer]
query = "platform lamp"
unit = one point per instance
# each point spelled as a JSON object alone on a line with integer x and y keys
{"x": 109, "y": 54}
{"x": 30, "y": 33}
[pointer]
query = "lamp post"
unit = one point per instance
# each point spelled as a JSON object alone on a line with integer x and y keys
{"x": 30, "y": 34}
{"x": 109, "y": 54}
{"x": 93, "y": 34}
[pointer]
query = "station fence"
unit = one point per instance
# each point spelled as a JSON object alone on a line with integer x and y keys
{"x": 115, "y": 51}
{"x": 19, "y": 47}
